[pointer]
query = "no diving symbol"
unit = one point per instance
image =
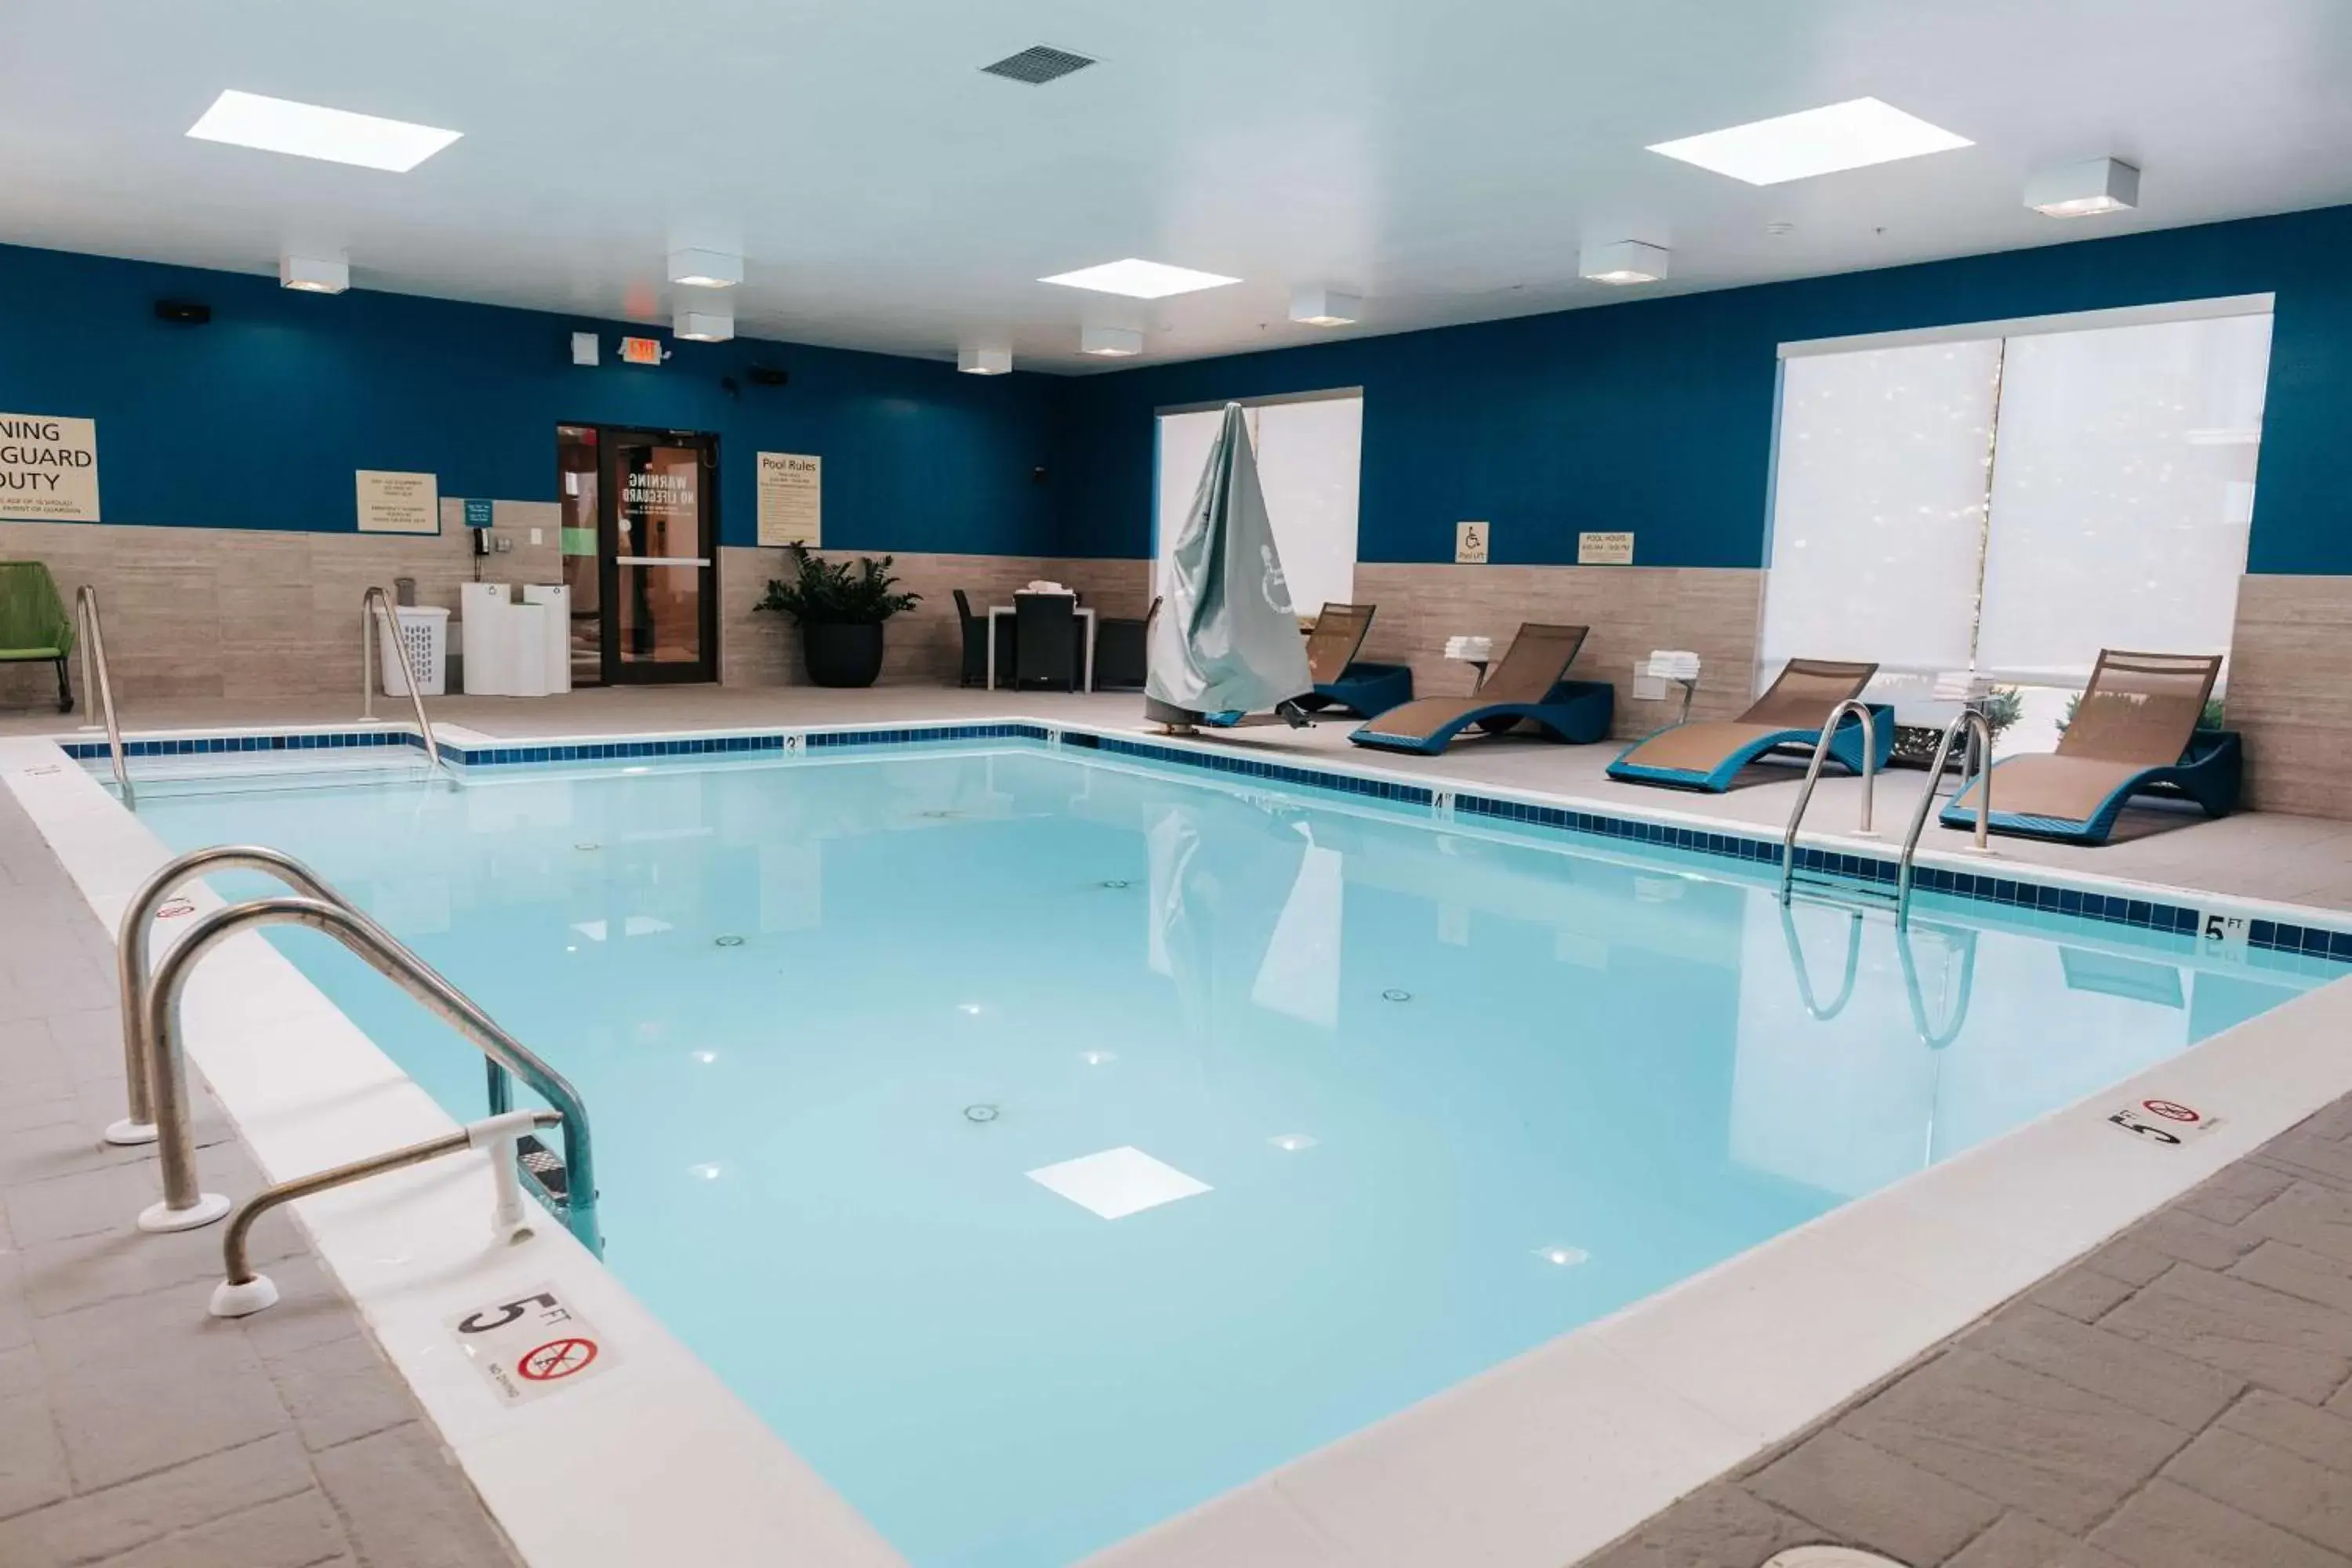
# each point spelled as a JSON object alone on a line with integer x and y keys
{"x": 557, "y": 1359}
{"x": 174, "y": 909}
{"x": 2171, "y": 1109}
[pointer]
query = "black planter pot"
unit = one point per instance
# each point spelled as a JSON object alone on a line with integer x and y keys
{"x": 842, "y": 655}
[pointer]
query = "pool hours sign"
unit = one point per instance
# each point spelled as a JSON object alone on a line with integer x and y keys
{"x": 49, "y": 469}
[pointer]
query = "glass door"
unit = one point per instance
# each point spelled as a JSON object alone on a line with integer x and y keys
{"x": 579, "y": 477}
{"x": 658, "y": 534}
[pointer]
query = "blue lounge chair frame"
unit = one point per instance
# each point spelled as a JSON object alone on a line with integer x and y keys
{"x": 1576, "y": 711}
{"x": 1364, "y": 689}
{"x": 2208, "y": 776}
{"x": 1845, "y": 750}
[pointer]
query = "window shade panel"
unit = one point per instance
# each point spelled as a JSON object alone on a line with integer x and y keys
{"x": 1309, "y": 458}
{"x": 1878, "y": 506}
{"x": 1309, "y": 463}
{"x": 1185, "y": 443}
{"x": 2122, "y": 494}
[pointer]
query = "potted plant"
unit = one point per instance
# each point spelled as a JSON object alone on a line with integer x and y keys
{"x": 840, "y": 611}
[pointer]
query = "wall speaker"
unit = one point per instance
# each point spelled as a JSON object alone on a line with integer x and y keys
{"x": 183, "y": 312}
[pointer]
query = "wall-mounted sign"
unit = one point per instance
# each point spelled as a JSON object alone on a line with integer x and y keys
{"x": 1470, "y": 542}
{"x": 640, "y": 351}
{"x": 1604, "y": 549}
{"x": 792, "y": 499}
{"x": 399, "y": 503}
{"x": 49, "y": 469}
{"x": 477, "y": 513}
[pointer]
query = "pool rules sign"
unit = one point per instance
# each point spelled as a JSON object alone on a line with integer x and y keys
{"x": 49, "y": 469}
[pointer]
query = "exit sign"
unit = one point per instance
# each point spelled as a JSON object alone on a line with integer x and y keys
{"x": 640, "y": 351}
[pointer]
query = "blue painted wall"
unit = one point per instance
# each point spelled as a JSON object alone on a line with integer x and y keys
{"x": 259, "y": 419}
{"x": 1658, "y": 415}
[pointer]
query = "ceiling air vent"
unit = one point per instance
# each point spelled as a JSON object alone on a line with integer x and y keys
{"x": 1038, "y": 65}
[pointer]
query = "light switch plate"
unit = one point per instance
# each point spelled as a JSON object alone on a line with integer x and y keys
{"x": 538, "y": 536}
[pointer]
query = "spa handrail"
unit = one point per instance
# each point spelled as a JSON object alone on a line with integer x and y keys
{"x": 1812, "y": 777}
{"x": 131, "y": 956}
{"x": 376, "y": 604}
{"x": 96, "y": 678}
{"x": 186, "y": 1205}
{"x": 1970, "y": 720}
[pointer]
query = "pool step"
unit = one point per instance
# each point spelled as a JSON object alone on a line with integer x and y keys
{"x": 1845, "y": 891}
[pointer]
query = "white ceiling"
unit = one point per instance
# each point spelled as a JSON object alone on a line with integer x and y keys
{"x": 1445, "y": 161}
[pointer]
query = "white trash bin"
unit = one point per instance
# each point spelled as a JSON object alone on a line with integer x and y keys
{"x": 425, "y": 629}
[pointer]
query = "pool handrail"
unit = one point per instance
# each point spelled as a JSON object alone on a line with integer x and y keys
{"x": 1803, "y": 972}
{"x": 244, "y": 1291}
{"x": 1971, "y": 719}
{"x": 1862, "y": 828}
{"x": 97, "y": 678}
{"x": 137, "y": 1126}
{"x": 374, "y": 604}
{"x": 185, "y": 1205}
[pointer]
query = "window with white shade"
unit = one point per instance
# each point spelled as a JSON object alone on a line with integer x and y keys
{"x": 2012, "y": 501}
{"x": 1309, "y": 454}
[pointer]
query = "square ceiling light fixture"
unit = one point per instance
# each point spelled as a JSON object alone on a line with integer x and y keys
{"x": 306, "y": 131}
{"x": 1623, "y": 261}
{"x": 1851, "y": 135}
{"x": 983, "y": 362}
{"x": 1109, "y": 342}
{"x": 705, "y": 268}
{"x": 703, "y": 326}
{"x": 1140, "y": 279}
{"x": 2083, "y": 190}
{"x": 313, "y": 275}
{"x": 1314, "y": 305}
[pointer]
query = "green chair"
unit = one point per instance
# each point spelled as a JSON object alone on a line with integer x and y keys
{"x": 34, "y": 624}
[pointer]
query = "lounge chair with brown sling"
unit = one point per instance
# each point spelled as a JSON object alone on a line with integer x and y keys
{"x": 1708, "y": 754}
{"x": 1528, "y": 692}
{"x": 1341, "y": 679}
{"x": 2135, "y": 731}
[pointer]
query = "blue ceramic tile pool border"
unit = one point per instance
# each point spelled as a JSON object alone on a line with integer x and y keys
{"x": 2144, "y": 914}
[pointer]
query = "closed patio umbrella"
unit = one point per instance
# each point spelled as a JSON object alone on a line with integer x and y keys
{"x": 1225, "y": 639}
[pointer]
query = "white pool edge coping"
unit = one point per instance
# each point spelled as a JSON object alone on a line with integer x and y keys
{"x": 1539, "y": 1460}
{"x": 682, "y": 1470}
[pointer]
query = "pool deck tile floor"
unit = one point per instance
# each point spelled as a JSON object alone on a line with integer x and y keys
{"x": 2183, "y": 1396}
{"x": 134, "y": 1428}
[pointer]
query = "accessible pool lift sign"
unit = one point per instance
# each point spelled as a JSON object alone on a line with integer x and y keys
{"x": 49, "y": 469}
{"x": 530, "y": 1345}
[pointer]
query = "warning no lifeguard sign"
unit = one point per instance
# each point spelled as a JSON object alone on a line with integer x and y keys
{"x": 532, "y": 1345}
{"x": 49, "y": 469}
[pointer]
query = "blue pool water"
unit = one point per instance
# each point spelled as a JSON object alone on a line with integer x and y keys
{"x": 1452, "y": 1092}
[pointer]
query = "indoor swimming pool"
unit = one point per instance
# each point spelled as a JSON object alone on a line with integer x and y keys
{"x": 1044, "y": 1144}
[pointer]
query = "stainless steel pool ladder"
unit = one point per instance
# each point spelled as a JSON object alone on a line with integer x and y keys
{"x": 1862, "y": 828}
{"x": 137, "y": 1126}
{"x": 98, "y": 680}
{"x": 375, "y": 605}
{"x": 165, "y": 1070}
{"x": 1973, "y": 723}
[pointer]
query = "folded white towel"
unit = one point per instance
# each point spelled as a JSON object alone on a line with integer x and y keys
{"x": 1472, "y": 648}
{"x": 1042, "y": 587}
{"x": 1674, "y": 664}
{"x": 1960, "y": 686}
